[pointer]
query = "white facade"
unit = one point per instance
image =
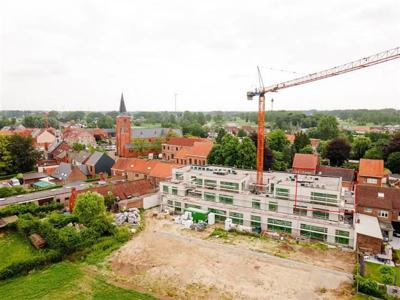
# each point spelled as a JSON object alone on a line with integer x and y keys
{"x": 305, "y": 205}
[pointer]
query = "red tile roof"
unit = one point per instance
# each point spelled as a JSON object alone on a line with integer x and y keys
{"x": 367, "y": 196}
{"x": 346, "y": 174}
{"x": 154, "y": 168}
{"x": 305, "y": 161}
{"x": 124, "y": 190}
{"x": 371, "y": 168}
{"x": 199, "y": 149}
{"x": 183, "y": 141}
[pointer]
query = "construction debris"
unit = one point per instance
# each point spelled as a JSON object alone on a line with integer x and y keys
{"x": 131, "y": 216}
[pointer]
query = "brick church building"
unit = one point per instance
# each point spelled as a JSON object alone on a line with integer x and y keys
{"x": 125, "y": 135}
{"x": 123, "y": 131}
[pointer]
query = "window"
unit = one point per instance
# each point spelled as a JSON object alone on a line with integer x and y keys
{"x": 237, "y": 218}
{"x": 282, "y": 193}
{"x": 372, "y": 180}
{"x": 176, "y": 149}
{"x": 210, "y": 183}
{"x": 279, "y": 225}
{"x": 313, "y": 232}
{"x": 368, "y": 210}
{"x": 324, "y": 199}
{"x": 178, "y": 176}
{"x": 209, "y": 196}
{"x": 174, "y": 190}
{"x": 383, "y": 214}
{"x": 178, "y": 207}
{"x": 256, "y": 223}
{"x": 220, "y": 215}
{"x": 198, "y": 181}
{"x": 165, "y": 189}
{"x": 172, "y": 156}
{"x": 229, "y": 185}
{"x": 320, "y": 214}
{"x": 187, "y": 205}
{"x": 342, "y": 237}
{"x": 273, "y": 206}
{"x": 255, "y": 203}
{"x": 272, "y": 187}
{"x": 300, "y": 211}
{"x": 226, "y": 199}
{"x": 170, "y": 203}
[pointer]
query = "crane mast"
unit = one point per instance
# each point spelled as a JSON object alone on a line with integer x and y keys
{"x": 375, "y": 59}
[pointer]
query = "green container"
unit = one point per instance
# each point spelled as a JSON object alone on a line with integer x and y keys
{"x": 198, "y": 214}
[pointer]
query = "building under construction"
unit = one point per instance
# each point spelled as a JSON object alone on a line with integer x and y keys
{"x": 309, "y": 206}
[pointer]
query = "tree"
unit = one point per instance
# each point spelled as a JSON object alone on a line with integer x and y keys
{"x": 105, "y": 122}
{"x": 327, "y": 128}
{"x": 393, "y": 162}
{"x": 246, "y": 154}
{"x": 338, "y": 151}
{"x": 229, "y": 150}
{"x": 215, "y": 157}
{"x": 140, "y": 145}
{"x": 301, "y": 140}
{"x": 360, "y": 145}
{"x": 393, "y": 146}
{"x": 78, "y": 147}
{"x": 6, "y": 163}
{"x": 279, "y": 163}
{"x": 277, "y": 140}
{"x": 194, "y": 129}
{"x": 241, "y": 133}
{"x": 374, "y": 153}
{"x": 220, "y": 134}
{"x": 89, "y": 207}
{"x": 307, "y": 150}
{"x": 23, "y": 154}
{"x": 322, "y": 148}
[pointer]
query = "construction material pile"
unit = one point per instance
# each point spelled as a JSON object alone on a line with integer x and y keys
{"x": 131, "y": 216}
{"x": 200, "y": 226}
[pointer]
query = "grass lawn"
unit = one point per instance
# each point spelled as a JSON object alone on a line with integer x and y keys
{"x": 372, "y": 271}
{"x": 65, "y": 280}
{"x": 14, "y": 247}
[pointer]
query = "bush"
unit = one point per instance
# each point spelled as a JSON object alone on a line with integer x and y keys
{"x": 60, "y": 220}
{"x": 369, "y": 287}
{"x": 11, "y": 191}
{"x": 387, "y": 279}
{"x": 24, "y": 266}
{"x": 18, "y": 209}
{"x": 27, "y": 224}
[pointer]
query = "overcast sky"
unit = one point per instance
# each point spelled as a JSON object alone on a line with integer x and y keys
{"x": 80, "y": 55}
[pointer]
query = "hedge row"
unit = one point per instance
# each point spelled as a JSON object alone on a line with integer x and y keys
{"x": 24, "y": 266}
{"x": 17, "y": 209}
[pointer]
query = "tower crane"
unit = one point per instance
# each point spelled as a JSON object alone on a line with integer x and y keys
{"x": 368, "y": 61}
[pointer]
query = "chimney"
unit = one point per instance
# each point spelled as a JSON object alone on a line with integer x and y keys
{"x": 72, "y": 199}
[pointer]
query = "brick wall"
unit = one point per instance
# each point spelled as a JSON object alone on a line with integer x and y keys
{"x": 369, "y": 244}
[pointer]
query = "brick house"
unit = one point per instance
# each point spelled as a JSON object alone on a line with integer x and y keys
{"x": 369, "y": 237}
{"x": 305, "y": 163}
{"x": 171, "y": 148}
{"x": 371, "y": 172}
{"x": 195, "y": 155}
{"x": 138, "y": 169}
{"x": 98, "y": 163}
{"x": 67, "y": 173}
{"x": 382, "y": 203}
{"x": 79, "y": 136}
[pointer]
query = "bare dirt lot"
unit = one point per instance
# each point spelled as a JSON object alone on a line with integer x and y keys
{"x": 175, "y": 263}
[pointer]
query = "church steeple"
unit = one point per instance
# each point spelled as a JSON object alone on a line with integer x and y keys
{"x": 122, "y": 107}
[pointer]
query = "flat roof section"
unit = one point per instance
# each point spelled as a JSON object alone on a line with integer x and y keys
{"x": 368, "y": 225}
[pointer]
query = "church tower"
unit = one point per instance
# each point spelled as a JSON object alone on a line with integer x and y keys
{"x": 123, "y": 130}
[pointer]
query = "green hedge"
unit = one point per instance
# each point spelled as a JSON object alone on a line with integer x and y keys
{"x": 24, "y": 266}
{"x": 17, "y": 209}
{"x": 369, "y": 287}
